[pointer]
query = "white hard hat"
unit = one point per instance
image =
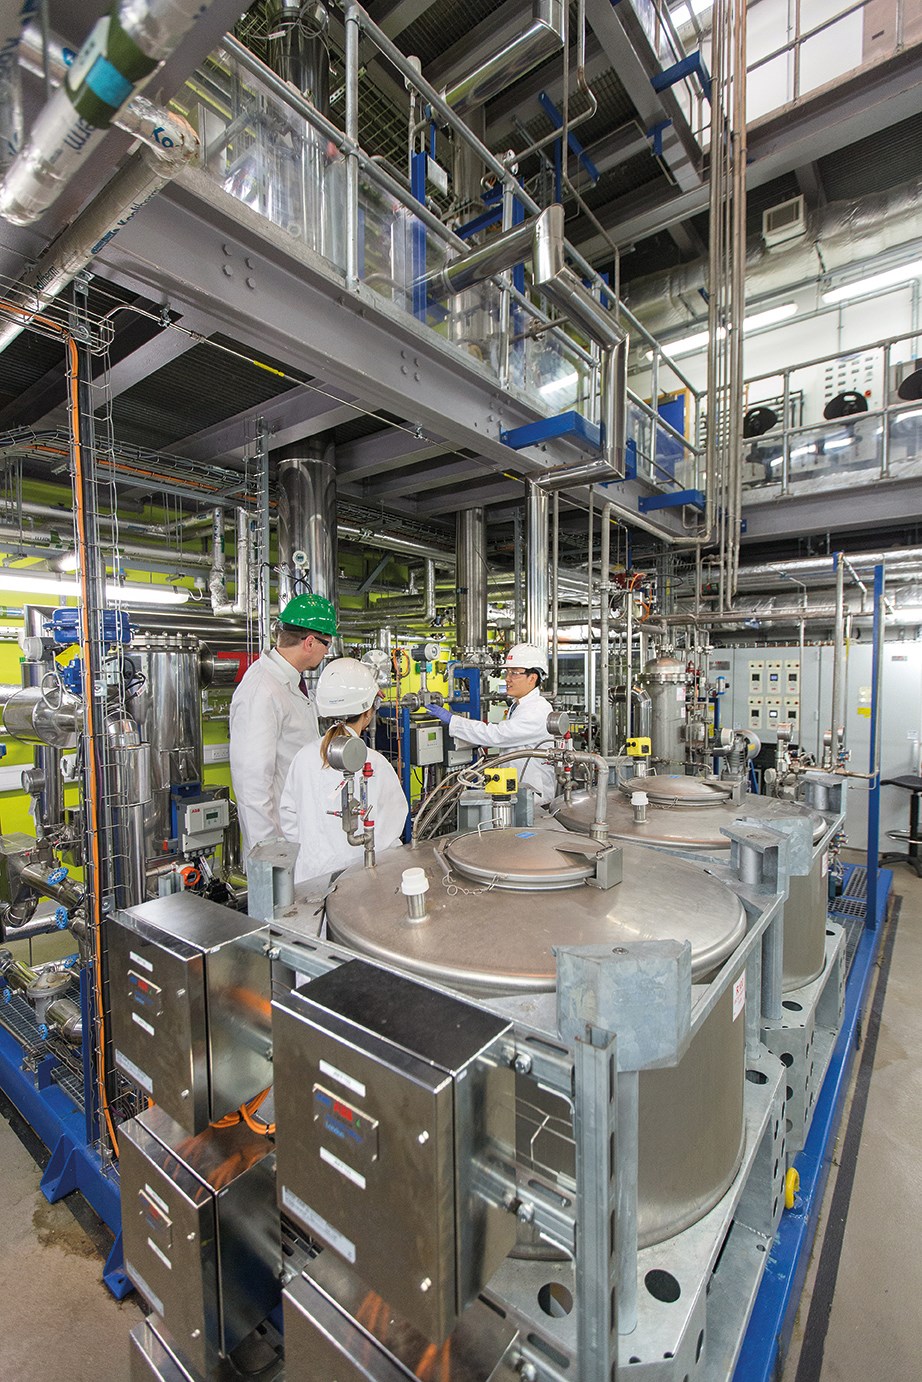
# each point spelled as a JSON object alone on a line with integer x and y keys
{"x": 527, "y": 655}
{"x": 345, "y": 687}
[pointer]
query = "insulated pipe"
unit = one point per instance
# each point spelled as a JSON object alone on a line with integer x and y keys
{"x": 404, "y": 546}
{"x": 471, "y": 604}
{"x": 536, "y": 570}
{"x": 128, "y": 782}
{"x": 44, "y": 784}
{"x": 307, "y": 520}
{"x": 126, "y": 549}
{"x": 13, "y": 17}
{"x": 26, "y": 714}
{"x": 823, "y": 566}
{"x": 494, "y": 256}
{"x": 429, "y": 611}
{"x": 605, "y": 597}
{"x": 543, "y": 36}
{"x": 132, "y": 187}
{"x": 122, "y": 51}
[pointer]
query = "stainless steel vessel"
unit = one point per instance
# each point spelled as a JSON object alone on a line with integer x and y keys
{"x": 688, "y": 813}
{"x": 168, "y": 705}
{"x": 496, "y": 906}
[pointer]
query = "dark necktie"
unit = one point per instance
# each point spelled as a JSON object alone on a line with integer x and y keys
{"x": 302, "y": 688}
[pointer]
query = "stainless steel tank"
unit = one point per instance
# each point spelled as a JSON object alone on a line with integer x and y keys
{"x": 497, "y": 904}
{"x": 168, "y": 706}
{"x": 665, "y": 680}
{"x": 688, "y": 813}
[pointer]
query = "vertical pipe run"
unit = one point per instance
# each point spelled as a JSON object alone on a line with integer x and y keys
{"x": 49, "y": 799}
{"x": 590, "y": 655}
{"x": 838, "y": 653}
{"x": 605, "y": 609}
{"x": 536, "y": 572}
{"x": 877, "y": 661}
{"x": 429, "y": 612}
{"x": 555, "y": 595}
{"x": 471, "y": 550}
{"x": 352, "y": 135}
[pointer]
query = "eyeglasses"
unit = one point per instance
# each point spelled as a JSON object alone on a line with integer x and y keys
{"x": 325, "y": 641}
{"x": 516, "y": 672}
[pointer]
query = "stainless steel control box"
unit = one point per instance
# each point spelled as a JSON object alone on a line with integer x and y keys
{"x": 200, "y": 1231}
{"x": 191, "y": 1019}
{"x": 395, "y": 1108}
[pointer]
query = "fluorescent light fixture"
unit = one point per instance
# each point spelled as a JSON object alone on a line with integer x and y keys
{"x": 877, "y": 283}
{"x": 837, "y": 443}
{"x": 68, "y": 562}
{"x": 46, "y": 584}
{"x": 803, "y": 451}
{"x": 682, "y": 13}
{"x": 566, "y": 381}
{"x": 770, "y": 317}
{"x": 687, "y": 344}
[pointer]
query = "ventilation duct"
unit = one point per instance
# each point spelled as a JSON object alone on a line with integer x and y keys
{"x": 13, "y": 16}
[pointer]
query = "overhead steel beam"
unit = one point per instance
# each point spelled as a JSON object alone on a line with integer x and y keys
{"x": 498, "y": 491}
{"x": 624, "y": 39}
{"x": 879, "y": 504}
{"x": 389, "y": 449}
{"x": 294, "y": 416}
{"x": 425, "y": 478}
{"x": 477, "y": 45}
{"x": 393, "y": 16}
{"x": 871, "y": 99}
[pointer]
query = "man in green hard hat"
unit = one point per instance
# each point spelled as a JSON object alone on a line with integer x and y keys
{"x": 272, "y": 714}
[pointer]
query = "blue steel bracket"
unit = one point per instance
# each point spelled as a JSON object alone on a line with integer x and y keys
{"x": 693, "y": 498}
{"x": 691, "y": 66}
{"x": 113, "y": 1273}
{"x": 630, "y": 459}
{"x": 575, "y": 147}
{"x": 656, "y": 132}
{"x": 570, "y": 424}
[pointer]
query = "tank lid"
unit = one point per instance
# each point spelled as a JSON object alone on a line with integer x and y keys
{"x": 664, "y": 669}
{"x": 520, "y": 859}
{"x": 677, "y": 789}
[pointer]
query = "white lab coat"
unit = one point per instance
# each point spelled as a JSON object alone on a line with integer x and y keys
{"x": 312, "y": 791}
{"x": 525, "y": 727}
{"x": 270, "y": 720}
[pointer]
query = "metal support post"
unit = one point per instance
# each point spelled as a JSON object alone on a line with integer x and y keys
{"x": 874, "y": 755}
{"x": 555, "y": 594}
{"x": 418, "y": 170}
{"x": 264, "y": 612}
{"x": 595, "y": 1122}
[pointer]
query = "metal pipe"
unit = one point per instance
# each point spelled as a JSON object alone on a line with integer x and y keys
{"x": 838, "y": 659}
{"x": 12, "y": 20}
{"x": 605, "y": 707}
{"x": 536, "y": 571}
{"x": 543, "y": 36}
{"x": 555, "y": 595}
{"x": 386, "y": 542}
{"x": 27, "y": 714}
{"x": 46, "y": 786}
{"x": 494, "y": 256}
{"x": 128, "y": 777}
{"x": 429, "y": 611}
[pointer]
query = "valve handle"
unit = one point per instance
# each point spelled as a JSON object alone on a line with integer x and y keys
{"x": 58, "y": 875}
{"x": 60, "y": 918}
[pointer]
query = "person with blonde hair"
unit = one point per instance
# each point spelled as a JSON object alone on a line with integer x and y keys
{"x": 312, "y": 796}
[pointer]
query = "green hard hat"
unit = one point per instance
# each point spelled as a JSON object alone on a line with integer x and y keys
{"x": 310, "y": 612}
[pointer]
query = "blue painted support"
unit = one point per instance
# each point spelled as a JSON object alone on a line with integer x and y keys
{"x": 418, "y": 237}
{"x": 772, "y": 1320}
{"x": 656, "y": 132}
{"x": 479, "y": 223}
{"x": 569, "y": 424}
{"x": 690, "y": 66}
{"x": 518, "y": 273}
{"x": 874, "y": 763}
{"x": 471, "y": 704}
{"x": 630, "y": 459}
{"x": 573, "y": 144}
{"x": 676, "y": 500}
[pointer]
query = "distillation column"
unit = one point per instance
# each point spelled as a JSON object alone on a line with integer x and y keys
{"x": 471, "y": 550}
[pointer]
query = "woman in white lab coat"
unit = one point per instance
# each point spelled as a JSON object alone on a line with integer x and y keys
{"x": 311, "y": 799}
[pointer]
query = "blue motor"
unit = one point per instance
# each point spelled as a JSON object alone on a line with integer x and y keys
{"x": 64, "y": 626}
{"x": 72, "y": 677}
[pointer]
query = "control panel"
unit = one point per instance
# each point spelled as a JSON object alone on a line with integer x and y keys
{"x": 427, "y": 744}
{"x": 202, "y": 824}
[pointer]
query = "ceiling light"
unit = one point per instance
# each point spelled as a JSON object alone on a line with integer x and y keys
{"x": 43, "y": 583}
{"x": 803, "y": 451}
{"x": 837, "y": 443}
{"x": 770, "y": 317}
{"x": 891, "y": 278}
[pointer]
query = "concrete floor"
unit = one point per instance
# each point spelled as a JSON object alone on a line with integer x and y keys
{"x": 57, "y": 1319}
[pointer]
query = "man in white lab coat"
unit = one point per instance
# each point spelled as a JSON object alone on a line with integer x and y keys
{"x": 273, "y": 715}
{"x": 525, "y": 727}
{"x": 311, "y": 800}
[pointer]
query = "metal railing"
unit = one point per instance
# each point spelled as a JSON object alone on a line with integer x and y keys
{"x": 883, "y": 442}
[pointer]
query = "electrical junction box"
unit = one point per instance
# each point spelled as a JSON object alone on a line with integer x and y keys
{"x": 458, "y": 756}
{"x": 395, "y": 1110}
{"x": 191, "y": 1022}
{"x": 639, "y": 748}
{"x": 202, "y": 824}
{"x": 500, "y": 782}
{"x": 427, "y": 744}
{"x": 200, "y": 1231}
{"x": 755, "y": 708}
